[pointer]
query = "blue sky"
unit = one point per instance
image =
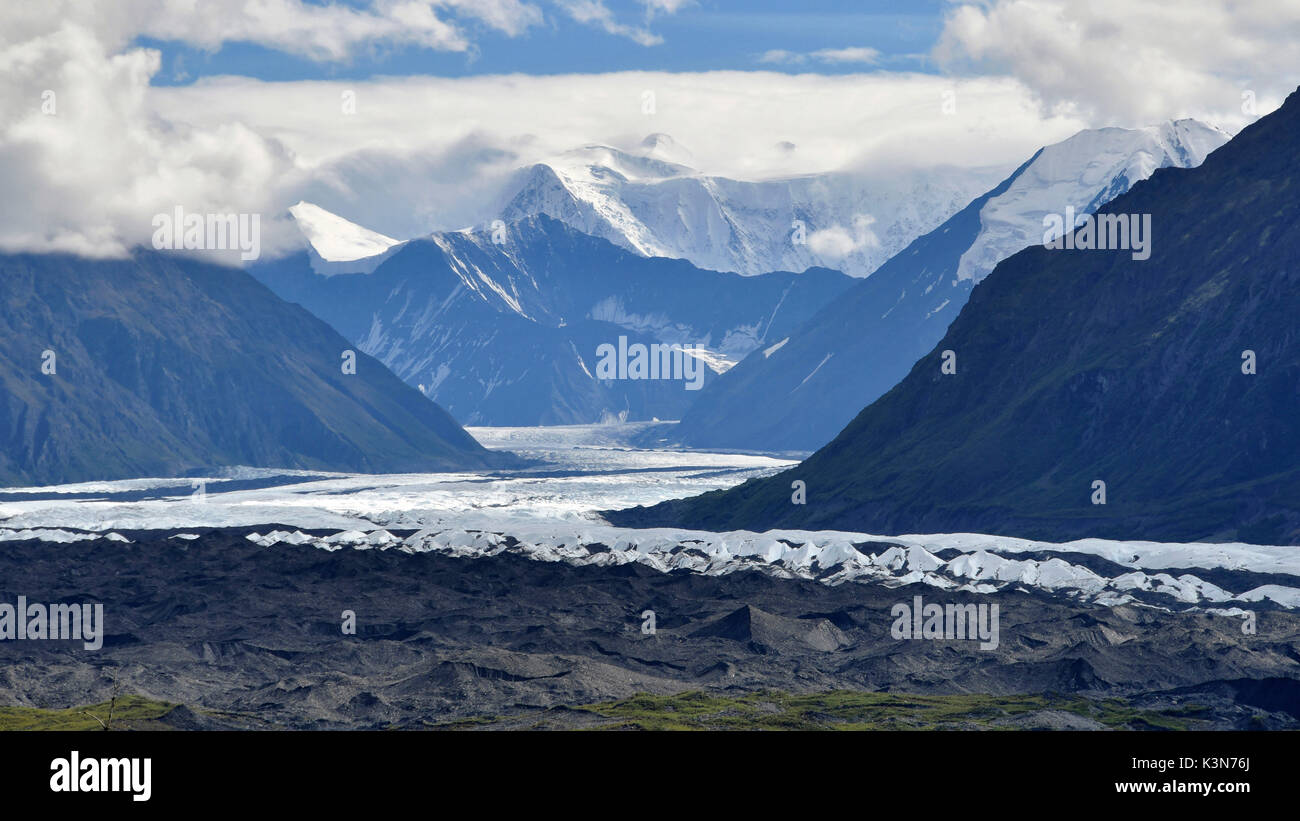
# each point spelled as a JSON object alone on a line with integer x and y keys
{"x": 702, "y": 36}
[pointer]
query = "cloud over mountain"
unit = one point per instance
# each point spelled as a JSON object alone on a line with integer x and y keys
{"x": 434, "y": 148}
{"x": 1127, "y": 61}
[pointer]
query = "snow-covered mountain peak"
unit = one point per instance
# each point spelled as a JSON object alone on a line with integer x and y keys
{"x": 655, "y": 205}
{"x": 336, "y": 239}
{"x": 1197, "y": 139}
{"x": 798, "y": 397}
{"x": 602, "y": 164}
{"x": 663, "y": 147}
{"x": 1083, "y": 172}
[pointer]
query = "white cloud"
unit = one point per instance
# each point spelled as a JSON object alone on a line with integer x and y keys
{"x": 780, "y": 55}
{"x": 731, "y": 121}
{"x": 861, "y": 54}
{"x": 320, "y": 32}
{"x": 666, "y": 6}
{"x": 93, "y": 166}
{"x": 855, "y": 54}
{"x": 596, "y": 13}
{"x": 424, "y": 152}
{"x": 1133, "y": 62}
{"x": 513, "y": 17}
{"x": 836, "y": 242}
{"x": 95, "y": 158}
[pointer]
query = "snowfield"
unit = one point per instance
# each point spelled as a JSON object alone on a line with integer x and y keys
{"x": 547, "y": 513}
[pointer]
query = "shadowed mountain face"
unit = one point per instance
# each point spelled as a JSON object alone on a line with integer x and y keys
{"x": 1080, "y": 366}
{"x": 799, "y": 396}
{"x": 164, "y": 365}
{"x": 508, "y": 330}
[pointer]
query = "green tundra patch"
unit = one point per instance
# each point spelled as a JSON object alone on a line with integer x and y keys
{"x": 852, "y": 710}
{"x": 129, "y": 713}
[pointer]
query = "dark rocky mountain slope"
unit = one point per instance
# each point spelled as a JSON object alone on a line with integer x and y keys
{"x": 1078, "y": 366}
{"x": 165, "y": 365}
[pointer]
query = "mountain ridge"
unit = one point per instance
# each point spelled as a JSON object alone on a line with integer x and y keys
{"x": 504, "y": 326}
{"x": 166, "y": 365}
{"x": 1132, "y": 375}
{"x": 858, "y": 347}
{"x": 847, "y": 221}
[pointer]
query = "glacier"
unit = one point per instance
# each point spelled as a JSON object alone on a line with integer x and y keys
{"x": 550, "y": 513}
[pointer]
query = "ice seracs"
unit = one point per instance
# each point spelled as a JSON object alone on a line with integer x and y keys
{"x": 827, "y": 556}
{"x": 547, "y": 515}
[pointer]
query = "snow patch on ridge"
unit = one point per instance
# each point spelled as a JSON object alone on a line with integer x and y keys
{"x": 1085, "y": 172}
{"x": 335, "y": 239}
{"x": 767, "y": 352}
